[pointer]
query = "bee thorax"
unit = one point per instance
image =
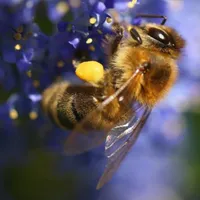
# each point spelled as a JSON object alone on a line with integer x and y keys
{"x": 156, "y": 82}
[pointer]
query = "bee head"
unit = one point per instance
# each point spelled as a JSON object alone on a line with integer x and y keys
{"x": 157, "y": 38}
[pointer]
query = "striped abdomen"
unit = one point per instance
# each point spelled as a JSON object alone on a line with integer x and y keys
{"x": 68, "y": 104}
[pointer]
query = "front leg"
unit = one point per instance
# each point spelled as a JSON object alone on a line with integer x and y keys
{"x": 119, "y": 32}
{"x": 112, "y": 42}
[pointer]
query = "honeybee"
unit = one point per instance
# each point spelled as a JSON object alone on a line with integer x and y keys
{"x": 141, "y": 70}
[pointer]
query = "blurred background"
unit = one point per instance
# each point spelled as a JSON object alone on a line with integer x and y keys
{"x": 39, "y": 41}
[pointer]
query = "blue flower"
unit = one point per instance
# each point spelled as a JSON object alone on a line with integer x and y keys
{"x": 17, "y": 12}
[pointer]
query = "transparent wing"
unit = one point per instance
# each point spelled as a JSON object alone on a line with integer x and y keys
{"x": 119, "y": 141}
{"x": 81, "y": 140}
{"x": 119, "y": 134}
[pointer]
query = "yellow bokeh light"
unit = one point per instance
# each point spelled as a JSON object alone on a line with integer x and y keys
{"x": 13, "y": 114}
{"x": 18, "y": 47}
{"x": 89, "y": 41}
{"x": 99, "y": 31}
{"x": 36, "y": 83}
{"x": 93, "y": 20}
{"x": 132, "y": 3}
{"x": 29, "y": 73}
{"x": 33, "y": 115}
{"x": 60, "y": 64}
{"x": 108, "y": 19}
{"x": 62, "y": 7}
{"x": 92, "y": 48}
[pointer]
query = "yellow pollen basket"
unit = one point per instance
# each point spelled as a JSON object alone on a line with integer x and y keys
{"x": 90, "y": 71}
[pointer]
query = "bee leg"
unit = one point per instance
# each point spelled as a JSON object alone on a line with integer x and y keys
{"x": 119, "y": 32}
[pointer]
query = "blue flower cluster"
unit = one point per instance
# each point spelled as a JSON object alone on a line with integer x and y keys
{"x": 40, "y": 42}
{"x": 31, "y": 59}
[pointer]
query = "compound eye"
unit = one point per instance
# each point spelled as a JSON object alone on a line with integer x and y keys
{"x": 160, "y": 35}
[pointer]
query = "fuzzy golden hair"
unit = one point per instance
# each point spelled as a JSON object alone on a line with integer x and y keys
{"x": 151, "y": 87}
